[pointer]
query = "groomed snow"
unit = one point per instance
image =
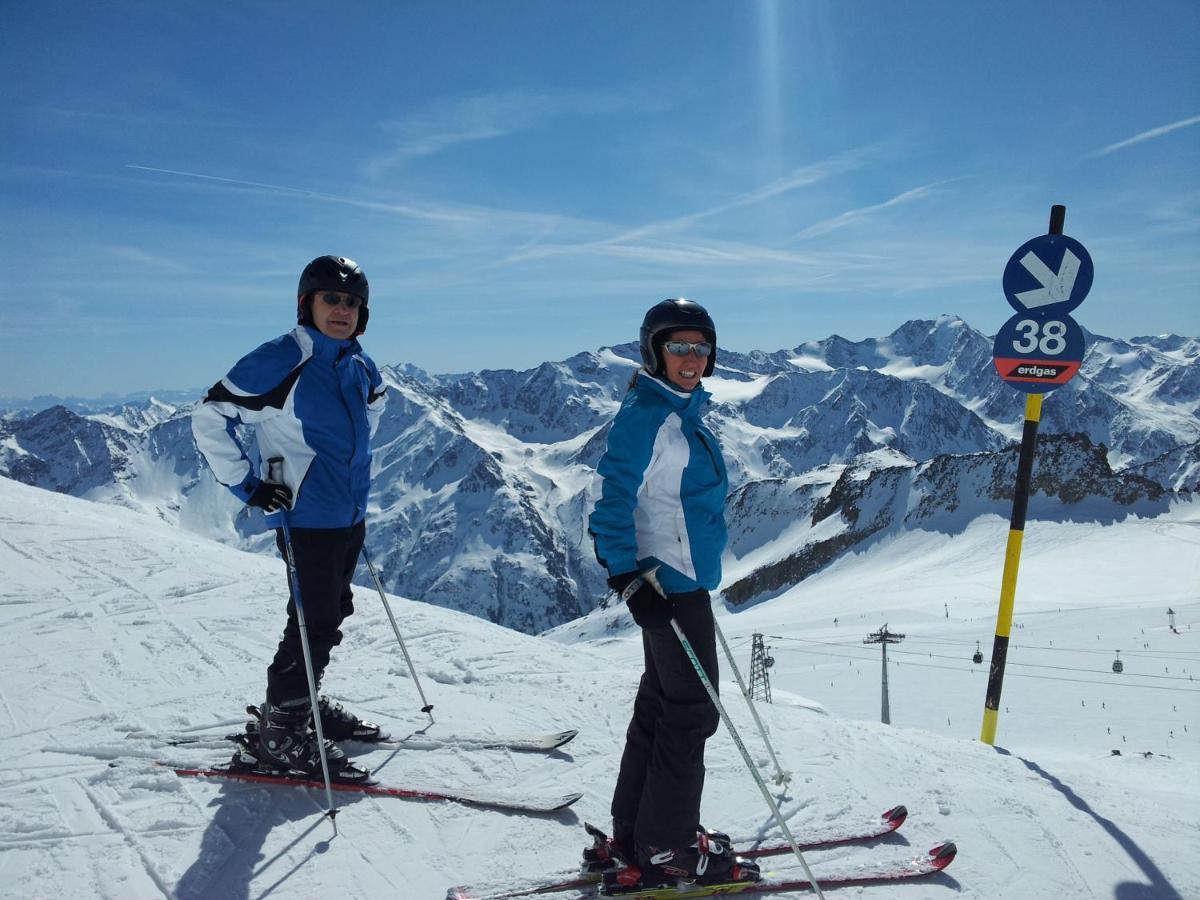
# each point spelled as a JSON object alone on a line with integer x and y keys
{"x": 111, "y": 621}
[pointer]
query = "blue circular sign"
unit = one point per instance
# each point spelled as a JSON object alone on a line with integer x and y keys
{"x": 1048, "y": 276}
{"x": 1036, "y": 354}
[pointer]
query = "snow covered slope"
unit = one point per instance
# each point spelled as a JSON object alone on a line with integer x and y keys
{"x": 113, "y": 621}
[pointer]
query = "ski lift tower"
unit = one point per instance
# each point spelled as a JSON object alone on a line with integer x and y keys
{"x": 760, "y": 663}
{"x": 883, "y": 637}
{"x": 1171, "y": 619}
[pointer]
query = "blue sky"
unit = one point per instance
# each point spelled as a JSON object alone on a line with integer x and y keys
{"x": 521, "y": 180}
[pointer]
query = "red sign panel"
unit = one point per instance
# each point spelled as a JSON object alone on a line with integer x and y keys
{"x": 1036, "y": 371}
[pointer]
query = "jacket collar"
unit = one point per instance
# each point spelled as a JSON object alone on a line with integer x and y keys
{"x": 679, "y": 400}
{"x": 324, "y": 347}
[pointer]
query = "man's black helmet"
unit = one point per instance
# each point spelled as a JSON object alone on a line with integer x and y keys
{"x": 332, "y": 273}
{"x": 674, "y": 315}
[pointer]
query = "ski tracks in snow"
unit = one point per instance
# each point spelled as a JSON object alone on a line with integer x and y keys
{"x": 113, "y": 821}
{"x": 187, "y": 646}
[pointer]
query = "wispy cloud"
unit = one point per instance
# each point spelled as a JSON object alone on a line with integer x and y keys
{"x": 439, "y": 214}
{"x": 483, "y": 117}
{"x": 801, "y": 177}
{"x": 145, "y": 258}
{"x": 1146, "y": 136}
{"x": 853, "y": 215}
{"x": 178, "y": 117}
{"x": 804, "y": 176}
{"x": 708, "y": 253}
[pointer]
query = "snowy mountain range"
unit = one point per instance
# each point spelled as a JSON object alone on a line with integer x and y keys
{"x": 481, "y": 484}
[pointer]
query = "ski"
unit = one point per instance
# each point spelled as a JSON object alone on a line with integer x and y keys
{"x": 885, "y": 824}
{"x": 512, "y": 803}
{"x": 937, "y": 859}
{"x": 834, "y": 836}
{"x": 534, "y": 743}
{"x": 601, "y": 857}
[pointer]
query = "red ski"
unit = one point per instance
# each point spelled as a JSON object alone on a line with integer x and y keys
{"x": 832, "y": 836}
{"x": 866, "y": 874}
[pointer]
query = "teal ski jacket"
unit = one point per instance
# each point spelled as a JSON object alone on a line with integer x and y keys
{"x": 660, "y": 496}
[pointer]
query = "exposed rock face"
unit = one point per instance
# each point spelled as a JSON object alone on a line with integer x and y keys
{"x": 481, "y": 483}
{"x": 1072, "y": 481}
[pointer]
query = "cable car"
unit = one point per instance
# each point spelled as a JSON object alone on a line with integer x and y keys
{"x": 1118, "y": 666}
{"x": 978, "y": 657}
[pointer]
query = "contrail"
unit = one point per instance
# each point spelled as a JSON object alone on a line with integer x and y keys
{"x": 330, "y": 198}
{"x": 1146, "y": 136}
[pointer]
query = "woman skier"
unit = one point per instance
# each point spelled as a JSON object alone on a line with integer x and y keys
{"x": 659, "y": 529}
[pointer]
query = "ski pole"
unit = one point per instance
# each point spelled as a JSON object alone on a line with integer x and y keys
{"x": 781, "y": 777}
{"x": 712, "y": 695}
{"x": 275, "y": 464}
{"x": 426, "y": 707}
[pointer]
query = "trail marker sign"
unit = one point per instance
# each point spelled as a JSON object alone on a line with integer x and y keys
{"x": 1041, "y": 347}
{"x": 1037, "y": 355}
{"x": 1048, "y": 276}
{"x": 1037, "y": 350}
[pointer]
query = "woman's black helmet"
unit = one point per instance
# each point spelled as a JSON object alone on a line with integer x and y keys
{"x": 332, "y": 273}
{"x": 674, "y": 315}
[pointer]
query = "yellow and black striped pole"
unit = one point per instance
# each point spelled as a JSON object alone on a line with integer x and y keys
{"x": 1012, "y": 562}
{"x": 1016, "y": 534}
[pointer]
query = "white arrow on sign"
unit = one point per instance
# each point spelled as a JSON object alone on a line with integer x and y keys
{"x": 1056, "y": 288}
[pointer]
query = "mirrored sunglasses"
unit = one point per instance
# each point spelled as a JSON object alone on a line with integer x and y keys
{"x": 347, "y": 300}
{"x": 683, "y": 348}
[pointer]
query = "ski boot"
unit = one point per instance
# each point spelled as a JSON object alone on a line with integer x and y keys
{"x": 705, "y": 862}
{"x": 607, "y": 854}
{"x": 286, "y": 742}
{"x": 717, "y": 837}
{"x": 339, "y": 724}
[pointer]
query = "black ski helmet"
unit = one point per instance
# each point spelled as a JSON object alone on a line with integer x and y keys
{"x": 674, "y": 314}
{"x": 332, "y": 273}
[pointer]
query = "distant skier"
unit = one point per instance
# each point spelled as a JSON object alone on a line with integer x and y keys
{"x": 314, "y": 399}
{"x": 659, "y": 529}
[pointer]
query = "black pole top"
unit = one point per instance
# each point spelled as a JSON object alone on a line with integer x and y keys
{"x": 1058, "y": 216}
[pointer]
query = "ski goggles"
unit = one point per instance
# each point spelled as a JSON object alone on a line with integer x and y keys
{"x": 683, "y": 348}
{"x": 350, "y": 301}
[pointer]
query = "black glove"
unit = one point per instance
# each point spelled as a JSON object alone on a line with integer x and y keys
{"x": 271, "y": 496}
{"x": 649, "y": 608}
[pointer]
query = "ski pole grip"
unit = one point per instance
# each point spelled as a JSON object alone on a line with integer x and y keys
{"x": 275, "y": 470}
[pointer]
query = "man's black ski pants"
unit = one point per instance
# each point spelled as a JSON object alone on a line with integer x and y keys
{"x": 325, "y": 562}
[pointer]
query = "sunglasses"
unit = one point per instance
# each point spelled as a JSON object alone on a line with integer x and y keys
{"x": 348, "y": 300}
{"x": 683, "y": 348}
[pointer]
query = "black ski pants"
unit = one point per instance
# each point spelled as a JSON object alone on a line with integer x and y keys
{"x": 662, "y": 770}
{"x": 325, "y": 562}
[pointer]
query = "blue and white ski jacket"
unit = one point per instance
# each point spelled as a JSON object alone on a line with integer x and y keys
{"x": 661, "y": 492}
{"x": 315, "y": 401}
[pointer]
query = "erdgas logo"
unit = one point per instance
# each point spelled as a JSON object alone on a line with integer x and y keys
{"x": 1037, "y": 371}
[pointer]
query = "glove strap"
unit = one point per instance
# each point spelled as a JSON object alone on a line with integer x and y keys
{"x": 632, "y": 588}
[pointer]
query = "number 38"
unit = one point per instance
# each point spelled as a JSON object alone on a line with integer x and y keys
{"x": 1052, "y": 341}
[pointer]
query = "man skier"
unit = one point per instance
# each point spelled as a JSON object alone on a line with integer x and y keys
{"x": 314, "y": 399}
